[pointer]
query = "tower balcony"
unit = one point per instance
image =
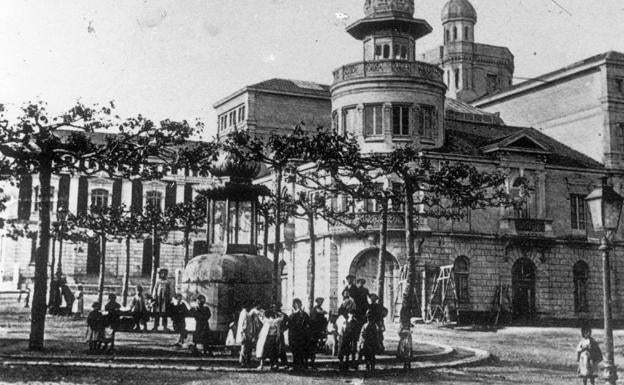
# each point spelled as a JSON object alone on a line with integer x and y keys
{"x": 383, "y": 68}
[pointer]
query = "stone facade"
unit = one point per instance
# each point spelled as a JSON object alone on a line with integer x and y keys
{"x": 581, "y": 105}
{"x": 80, "y": 261}
{"x": 274, "y": 106}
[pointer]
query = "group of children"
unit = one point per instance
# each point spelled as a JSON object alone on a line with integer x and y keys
{"x": 102, "y": 326}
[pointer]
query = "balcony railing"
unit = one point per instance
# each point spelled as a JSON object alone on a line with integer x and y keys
{"x": 526, "y": 227}
{"x": 360, "y": 70}
{"x": 372, "y": 221}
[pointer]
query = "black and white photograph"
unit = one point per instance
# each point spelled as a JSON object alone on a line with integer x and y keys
{"x": 311, "y": 192}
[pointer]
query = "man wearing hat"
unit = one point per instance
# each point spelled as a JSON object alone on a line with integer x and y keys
{"x": 351, "y": 288}
{"x": 162, "y": 293}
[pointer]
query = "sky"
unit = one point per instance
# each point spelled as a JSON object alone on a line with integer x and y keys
{"x": 175, "y": 58}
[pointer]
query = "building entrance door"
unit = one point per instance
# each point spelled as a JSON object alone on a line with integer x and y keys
{"x": 523, "y": 289}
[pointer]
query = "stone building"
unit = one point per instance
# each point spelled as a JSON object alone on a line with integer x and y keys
{"x": 541, "y": 255}
{"x": 80, "y": 261}
{"x": 581, "y": 105}
{"x": 471, "y": 70}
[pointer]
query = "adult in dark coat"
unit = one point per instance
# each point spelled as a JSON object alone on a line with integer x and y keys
{"x": 361, "y": 301}
{"x": 299, "y": 335}
{"x": 162, "y": 293}
{"x": 202, "y": 315}
{"x": 348, "y": 304}
{"x": 113, "y": 310}
{"x": 318, "y": 328}
{"x": 351, "y": 287}
{"x": 378, "y": 313}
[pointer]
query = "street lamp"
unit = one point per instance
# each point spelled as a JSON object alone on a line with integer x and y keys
{"x": 605, "y": 207}
{"x": 62, "y": 217}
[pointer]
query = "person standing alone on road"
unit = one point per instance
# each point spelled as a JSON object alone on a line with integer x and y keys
{"x": 588, "y": 355}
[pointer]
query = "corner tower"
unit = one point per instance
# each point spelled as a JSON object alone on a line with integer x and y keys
{"x": 471, "y": 70}
{"x": 389, "y": 97}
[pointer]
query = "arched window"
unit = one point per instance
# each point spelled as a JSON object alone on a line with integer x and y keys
{"x": 461, "y": 279}
{"x": 520, "y": 192}
{"x": 457, "y": 79}
{"x": 466, "y": 33}
{"x": 580, "y": 273}
{"x": 99, "y": 198}
{"x": 386, "y": 51}
{"x": 447, "y": 36}
{"x": 153, "y": 199}
{"x": 454, "y": 33}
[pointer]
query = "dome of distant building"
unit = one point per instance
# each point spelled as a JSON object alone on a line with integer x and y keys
{"x": 376, "y": 7}
{"x": 458, "y": 10}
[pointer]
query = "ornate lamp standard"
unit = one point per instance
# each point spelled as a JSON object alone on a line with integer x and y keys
{"x": 605, "y": 207}
{"x": 62, "y": 217}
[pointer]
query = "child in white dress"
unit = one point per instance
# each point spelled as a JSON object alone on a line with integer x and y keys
{"x": 588, "y": 355}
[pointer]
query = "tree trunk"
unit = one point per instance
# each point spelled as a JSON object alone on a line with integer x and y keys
{"x": 59, "y": 266}
{"x": 38, "y": 310}
{"x": 126, "y": 277}
{"x": 265, "y": 237}
{"x": 383, "y": 245}
{"x": 278, "y": 214}
{"x": 408, "y": 294}
{"x": 154, "y": 262}
{"x": 102, "y": 269}
{"x": 312, "y": 272}
{"x": 187, "y": 235}
{"x": 52, "y": 263}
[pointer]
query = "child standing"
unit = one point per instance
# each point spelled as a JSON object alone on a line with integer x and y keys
{"x": 404, "y": 352}
{"x": 78, "y": 308}
{"x": 588, "y": 355}
{"x": 178, "y": 311}
{"x": 95, "y": 327}
{"x": 368, "y": 344}
{"x": 138, "y": 308}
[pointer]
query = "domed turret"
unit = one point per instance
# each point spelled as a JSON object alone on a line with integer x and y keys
{"x": 456, "y": 10}
{"x": 389, "y": 97}
{"x": 377, "y": 7}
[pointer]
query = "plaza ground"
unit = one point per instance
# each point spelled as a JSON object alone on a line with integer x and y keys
{"x": 521, "y": 355}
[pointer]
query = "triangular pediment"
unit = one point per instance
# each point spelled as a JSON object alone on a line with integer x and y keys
{"x": 522, "y": 141}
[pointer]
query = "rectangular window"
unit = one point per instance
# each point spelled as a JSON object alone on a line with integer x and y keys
{"x": 348, "y": 120}
{"x": 373, "y": 120}
{"x": 335, "y": 121}
{"x": 396, "y": 51}
{"x": 378, "y": 50}
{"x": 427, "y": 121}
{"x": 577, "y": 211}
{"x": 400, "y": 120}
{"x": 619, "y": 83}
{"x": 241, "y": 114}
{"x": 386, "y": 51}
{"x": 492, "y": 82}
